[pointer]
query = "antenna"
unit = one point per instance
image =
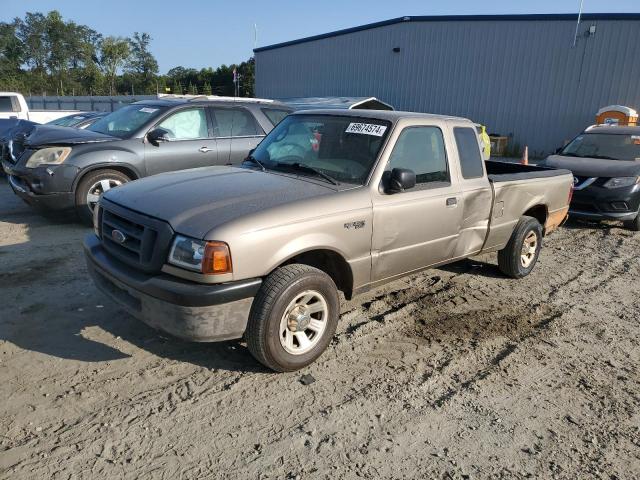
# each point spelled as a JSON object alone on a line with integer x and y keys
{"x": 575, "y": 37}
{"x": 255, "y": 35}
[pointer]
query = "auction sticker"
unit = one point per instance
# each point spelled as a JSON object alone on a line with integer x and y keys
{"x": 366, "y": 129}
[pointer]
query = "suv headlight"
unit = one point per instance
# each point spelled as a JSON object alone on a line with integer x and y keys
{"x": 618, "y": 182}
{"x": 210, "y": 258}
{"x": 48, "y": 156}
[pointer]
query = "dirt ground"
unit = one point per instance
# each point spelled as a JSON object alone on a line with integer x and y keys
{"x": 454, "y": 373}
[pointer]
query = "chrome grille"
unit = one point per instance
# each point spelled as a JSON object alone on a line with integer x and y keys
{"x": 140, "y": 241}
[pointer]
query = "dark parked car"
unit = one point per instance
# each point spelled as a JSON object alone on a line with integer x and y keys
{"x": 61, "y": 168}
{"x": 605, "y": 161}
{"x": 78, "y": 120}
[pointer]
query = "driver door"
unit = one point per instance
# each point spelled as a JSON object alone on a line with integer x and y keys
{"x": 420, "y": 226}
{"x": 189, "y": 146}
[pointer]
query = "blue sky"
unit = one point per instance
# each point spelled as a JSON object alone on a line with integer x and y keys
{"x": 202, "y": 33}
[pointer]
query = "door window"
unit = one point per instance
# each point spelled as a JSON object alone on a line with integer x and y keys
{"x": 186, "y": 124}
{"x": 275, "y": 116}
{"x": 469, "y": 152}
{"x": 234, "y": 122}
{"x": 421, "y": 149}
{"x": 6, "y": 105}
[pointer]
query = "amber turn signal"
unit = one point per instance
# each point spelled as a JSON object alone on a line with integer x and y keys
{"x": 217, "y": 259}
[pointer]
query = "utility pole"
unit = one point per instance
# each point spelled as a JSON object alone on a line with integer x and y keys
{"x": 575, "y": 37}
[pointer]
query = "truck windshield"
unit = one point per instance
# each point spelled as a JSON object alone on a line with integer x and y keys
{"x": 125, "y": 121}
{"x": 341, "y": 148}
{"x": 607, "y": 146}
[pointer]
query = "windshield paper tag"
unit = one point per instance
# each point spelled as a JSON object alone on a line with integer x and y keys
{"x": 148, "y": 110}
{"x": 366, "y": 129}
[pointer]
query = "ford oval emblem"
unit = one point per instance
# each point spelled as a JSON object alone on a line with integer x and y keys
{"x": 118, "y": 237}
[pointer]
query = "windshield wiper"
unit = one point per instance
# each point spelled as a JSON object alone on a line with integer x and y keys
{"x": 251, "y": 158}
{"x": 604, "y": 157}
{"x": 302, "y": 167}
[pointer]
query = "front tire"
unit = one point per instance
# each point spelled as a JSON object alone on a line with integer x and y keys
{"x": 520, "y": 255}
{"x": 293, "y": 317}
{"x": 91, "y": 187}
{"x": 633, "y": 224}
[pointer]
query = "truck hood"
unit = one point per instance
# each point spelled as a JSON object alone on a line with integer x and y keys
{"x": 594, "y": 167}
{"x": 197, "y": 200}
{"x": 42, "y": 135}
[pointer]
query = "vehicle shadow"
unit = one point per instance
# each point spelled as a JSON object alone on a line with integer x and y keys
{"x": 231, "y": 355}
{"x": 474, "y": 266}
{"x": 50, "y": 305}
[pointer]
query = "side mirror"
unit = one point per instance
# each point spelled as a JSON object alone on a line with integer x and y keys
{"x": 401, "y": 179}
{"x": 158, "y": 135}
{"x": 559, "y": 150}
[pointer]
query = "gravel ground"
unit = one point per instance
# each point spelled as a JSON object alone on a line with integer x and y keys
{"x": 453, "y": 373}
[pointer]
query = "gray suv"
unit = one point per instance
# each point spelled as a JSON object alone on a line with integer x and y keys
{"x": 59, "y": 168}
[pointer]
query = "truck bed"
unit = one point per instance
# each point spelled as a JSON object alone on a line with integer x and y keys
{"x": 508, "y": 172}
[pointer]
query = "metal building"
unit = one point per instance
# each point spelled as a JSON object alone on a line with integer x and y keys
{"x": 534, "y": 78}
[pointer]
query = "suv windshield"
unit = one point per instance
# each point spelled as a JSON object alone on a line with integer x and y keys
{"x": 68, "y": 121}
{"x": 608, "y": 146}
{"x": 341, "y": 148}
{"x": 123, "y": 122}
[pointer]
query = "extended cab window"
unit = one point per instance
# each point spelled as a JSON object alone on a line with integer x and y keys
{"x": 187, "y": 124}
{"x": 469, "y": 152}
{"x": 421, "y": 149}
{"x": 275, "y": 116}
{"x": 234, "y": 122}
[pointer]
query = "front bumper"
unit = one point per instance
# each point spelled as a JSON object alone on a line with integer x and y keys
{"x": 187, "y": 310}
{"x": 49, "y": 187}
{"x": 51, "y": 201}
{"x": 598, "y": 203}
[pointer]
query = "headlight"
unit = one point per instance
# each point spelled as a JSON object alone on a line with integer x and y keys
{"x": 211, "y": 258}
{"x": 48, "y": 156}
{"x": 619, "y": 182}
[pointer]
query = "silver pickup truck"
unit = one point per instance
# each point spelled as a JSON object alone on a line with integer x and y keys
{"x": 327, "y": 202}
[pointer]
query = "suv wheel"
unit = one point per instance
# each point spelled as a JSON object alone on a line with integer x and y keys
{"x": 520, "y": 255}
{"x": 91, "y": 187}
{"x": 633, "y": 224}
{"x": 293, "y": 317}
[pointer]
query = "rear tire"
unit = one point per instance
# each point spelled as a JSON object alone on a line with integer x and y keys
{"x": 633, "y": 224}
{"x": 91, "y": 187}
{"x": 293, "y": 317}
{"x": 520, "y": 255}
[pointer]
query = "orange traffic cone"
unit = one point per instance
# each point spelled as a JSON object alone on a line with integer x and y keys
{"x": 525, "y": 156}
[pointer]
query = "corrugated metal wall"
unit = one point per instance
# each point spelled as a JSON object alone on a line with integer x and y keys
{"x": 520, "y": 78}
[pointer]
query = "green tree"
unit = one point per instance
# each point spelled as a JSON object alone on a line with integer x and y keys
{"x": 142, "y": 65}
{"x": 114, "y": 54}
{"x": 32, "y": 32}
{"x": 206, "y": 90}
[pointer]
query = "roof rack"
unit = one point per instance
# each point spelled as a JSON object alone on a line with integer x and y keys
{"x": 192, "y": 98}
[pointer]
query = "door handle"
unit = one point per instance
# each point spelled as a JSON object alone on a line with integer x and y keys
{"x": 452, "y": 202}
{"x": 205, "y": 149}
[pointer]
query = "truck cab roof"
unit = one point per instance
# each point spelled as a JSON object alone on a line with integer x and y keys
{"x": 389, "y": 115}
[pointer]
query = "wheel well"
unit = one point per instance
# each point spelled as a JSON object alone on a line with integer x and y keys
{"x": 539, "y": 212}
{"x": 331, "y": 263}
{"x": 119, "y": 168}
